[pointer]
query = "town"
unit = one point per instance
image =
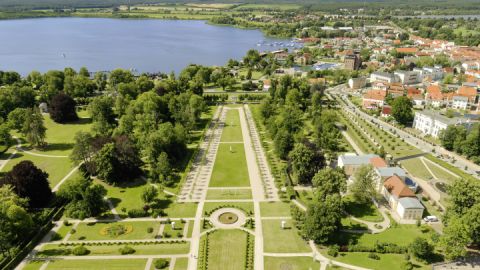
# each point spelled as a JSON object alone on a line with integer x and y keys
{"x": 295, "y": 135}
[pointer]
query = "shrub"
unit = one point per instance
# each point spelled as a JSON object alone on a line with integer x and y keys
{"x": 373, "y": 256}
{"x": 161, "y": 263}
{"x": 133, "y": 213}
{"x": 126, "y": 250}
{"x": 407, "y": 265}
{"x": 333, "y": 250}
{"x": 80, "y": 251}
{"x": 66, "y": 223}
{"x": 149, "y": 230}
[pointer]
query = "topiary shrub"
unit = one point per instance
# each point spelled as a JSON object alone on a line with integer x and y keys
{"x": 333, "y": 250}
{"x": 161, "y": 264}
{"x": 126, "y": 250}
{"x": 80, "y": 251}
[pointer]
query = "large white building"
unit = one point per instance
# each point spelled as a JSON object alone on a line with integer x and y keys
{"x": 383, "y": 77}
{"x": 407, "y": 77}
{"x": 431, "y": 123}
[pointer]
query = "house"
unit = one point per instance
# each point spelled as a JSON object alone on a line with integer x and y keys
{"x": 267, "y": 84}
{"x": 415, "y": 95}
{"x": 468, "y": 92}
{"x": 432, "y": 73}
{"x": 382, "y": 174}
{"x": 407, "y": 50}
{"x": 459, "y": 102}
{"x": 435, "y": 97}
{"x": 382, "y": 77}
{"x": 352, "y": 61}
{"x": 357, "y": 83}
{"x": 280, "y": 55}
{"x": 402, "y": 199}
{"x": 407, "y": 77}
{"x": 374, "y": 99}
{"x": 351, "y": 162}
{"x": 304, "y": 59}
{"x": 431, "y": 123}
{"x": 386, "y": 111}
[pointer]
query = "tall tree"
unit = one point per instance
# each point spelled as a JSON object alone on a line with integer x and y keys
{"x": 29, "y": 182}
{"x": 329, "y": 181}
{"x": 402, "y": 110}
{"x": 305, "y": 161}
{"x": 101, "y": 111}
{"x": 363, "y": 187}
{"x": 62, "y": 108}
{"x": 323, "y": 219}
{"x": 33, "y": 128}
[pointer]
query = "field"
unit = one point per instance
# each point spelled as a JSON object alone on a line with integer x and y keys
{"x": 130, "y": 264}
{"x": 230, "y": 169}
{"x": 290, "y": 263}
{"x": 281, "y": 240}
{"x": 229, "y": 194}
{"x": 232, "y": 132}
{"x": 227, "y": 250}
{"x": 274, "y": 209}
{"x": 367, "y": 212}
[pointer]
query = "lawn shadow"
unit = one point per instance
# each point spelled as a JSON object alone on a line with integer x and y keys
{"x": 115, "y": 201}
{"x": 55, "y": 252}
{"x": 345, "y": 238}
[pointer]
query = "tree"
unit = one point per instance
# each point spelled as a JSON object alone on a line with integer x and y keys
{"x": 15, "y": 221}
{"x": 83, "y": 151}
{"x": 16, "y": 119}
{"x": 149, "y": 194}
{"x": 102, "y": 115}
{"x": 305, "y": 161}
{"x": 33, "y": 128}
{"x": 283, "y": 143}
{"x": 329, "y": 181}
{"x": 323, "y": 219}
{"x": 421, "y": 249}
{"x": 363, "y": 187}
{"x": 62, "y": 108}
{"x": 464, "y": 194}
{"x": 402, "y": 110}
{"x": 106, "y": 163}
{"x": 84, "y": 199}
{"x": 29, "y": 182}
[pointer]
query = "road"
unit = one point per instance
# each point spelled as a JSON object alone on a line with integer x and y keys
{"x": 341, "y": 91}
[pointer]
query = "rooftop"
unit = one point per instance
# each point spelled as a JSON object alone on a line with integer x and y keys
{"x": 397, "y": 187}
{"x": 410, "y": 203}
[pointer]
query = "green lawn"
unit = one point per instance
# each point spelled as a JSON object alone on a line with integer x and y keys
{"x": 416, "y": 168}
{"x": 350, "y": 224}
{"x": 106, "y": 250}
{"x": 179, "y": 210}
{"x": 230, "y": 169}
{"x": 227, "y": 250}
{"x": 60, "y": 137}
{"x": 231, "y": 194}
{"x": 130, "y": 264}
{"x": 386, "y": 261}
{"x": 290, "y": 263}
{"x": 232, "y": 131}
{"x": 245, "y": 206}
{"x": 125, "y": 196}
{"x": 401, "y": 235}
{"x": 367, "y": 212}
{"x": 91, "y": 231}
{"x": 440, "y": 173}
{"x": 274, "y": 209}
{"x": 33, "y": 265}
{"x": 62, "y": 232}
{"x": 281, "y": 240}
{"x": 181, "y": 264}
{"x": 174, "y": 232}
{"x": 57, "y": 168}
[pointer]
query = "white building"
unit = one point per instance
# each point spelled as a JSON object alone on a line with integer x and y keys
{"x": 408, "y": 77}
{"x": 382, "y": 77}
{"x": 357, "y": 83}
{"x": 435, "y": 73}
{"x": 431, "y": 123}
{"x": 460, "y": 102}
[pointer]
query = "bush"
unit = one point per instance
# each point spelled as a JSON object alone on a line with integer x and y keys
{"x": 62, "y": 108}
{"x": 80, "y": 251}
{"x": 133, "y": 213}
{"x": 149, "y": 230}
{"x": 373, "y": 256}
{"x": 407, "y": 265}
{"x": 333, "y": 250}
{"x": 126, "y": 250}
{"x": 161, "y": 263}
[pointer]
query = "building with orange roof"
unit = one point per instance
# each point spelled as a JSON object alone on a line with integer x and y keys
{"x": 407, "y": 50}
{"x": 374, "y": 99}
{"x": 435, "y": 97}
{"x": 402, "y": 199}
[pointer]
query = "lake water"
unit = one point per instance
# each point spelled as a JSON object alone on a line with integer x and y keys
{"x": 105, "y": 44}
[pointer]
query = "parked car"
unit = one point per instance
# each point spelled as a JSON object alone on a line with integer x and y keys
{"x": 430, "y": 219}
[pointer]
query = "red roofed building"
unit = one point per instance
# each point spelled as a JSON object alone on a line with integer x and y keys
{"x": 374, "y": 99}
{"x": 386, "y": 111}
{"x": 402, "y": 199}
{"x": 407, "y": 50}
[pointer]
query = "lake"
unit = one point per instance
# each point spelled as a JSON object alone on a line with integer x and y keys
{"x": 105, "y": 44}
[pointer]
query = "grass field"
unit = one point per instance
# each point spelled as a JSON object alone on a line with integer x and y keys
{"x": 229, "y": 194}
{"x": 130, "y": 264}
{"x": 33, "y": 265}
{"x": 281, "y": 240}
{"x": 290, "y": 263}
{"x": 174, "y": 232}
{"x": 401, "y": 235}
{"x": 227, "y": 250}
{"x": 230, "y": 169}
{"x": 367, "y": 212}
{"x": 107, "y": 250}
{"x": 386, "y": 261}
{"x": 181, "y": 264}
{"x": 57, "y": 168}
{"x": 416, "y": 168}
{"x": 88, "y": 231}
{"x": 245, "y": 206}
{"x": 274, "y": 209}
{"x": 232, "y": 131}
{"x": 350, "y": 224}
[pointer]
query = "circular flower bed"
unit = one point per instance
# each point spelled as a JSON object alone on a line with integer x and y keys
{"x": 228, "y": 218}
{"x": 116, "y": 230}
